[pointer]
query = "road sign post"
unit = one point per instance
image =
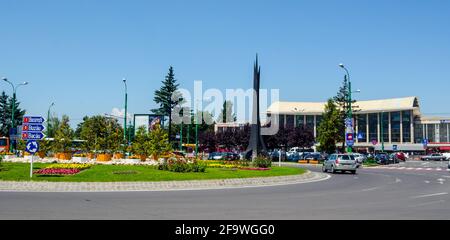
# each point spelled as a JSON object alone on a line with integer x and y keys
{"x": 32, "y": 128}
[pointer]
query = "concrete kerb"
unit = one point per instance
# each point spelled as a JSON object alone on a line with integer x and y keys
{"x": 23, "y": 186}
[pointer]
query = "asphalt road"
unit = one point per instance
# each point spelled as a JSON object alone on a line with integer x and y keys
{"x": 370, "y": 194}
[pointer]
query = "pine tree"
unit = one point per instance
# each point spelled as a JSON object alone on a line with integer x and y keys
{"x": 341, "y": 100}
{"x": 227, "y": 115}
{"x": 163, "y": 97}
{"x": 328, "y": 129}
{"x": 5, "y": 116}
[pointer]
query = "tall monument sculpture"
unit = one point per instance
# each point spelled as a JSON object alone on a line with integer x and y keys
{"x": 256, "y": 146}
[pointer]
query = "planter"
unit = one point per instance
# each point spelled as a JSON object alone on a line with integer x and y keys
{"x": 104, "y": 157}
{"x": 80, "y": 159}
{"x": 41, "y": 154}
{"x": 303, "y": 161}
{"x": 119, "y": 156}
{"x": 64, "y": 156}
{"x": 313, "y": 161}
{"x": 142, "y": 157}
{"x": 90, "y": 156}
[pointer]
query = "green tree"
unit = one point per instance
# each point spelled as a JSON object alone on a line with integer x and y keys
{"x": 158, "y": 143}
{"x": 140, "y": 143}
{"x": 100, "y": 134}
{"x": 164, "y": 97}
{"x": 328, "y": 130}
{"x": 63, "y": 136}
{"x": 53, "y": 125}
{"x": 5, "y": 114}
{"x": 227, "y": 115}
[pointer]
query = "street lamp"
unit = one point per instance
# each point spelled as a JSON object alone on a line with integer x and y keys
{"x": 13, "y": 104}
{"x": 349, "y": 102}
{"x": 125, "y": 115}
{"x": 48, "y": 118}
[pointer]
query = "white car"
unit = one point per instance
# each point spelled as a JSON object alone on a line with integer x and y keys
{"x": 360, "y": 158}
{"x": 446, "y": 155}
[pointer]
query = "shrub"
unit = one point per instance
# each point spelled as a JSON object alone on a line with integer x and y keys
{"x": 262, "y": 162}
{"x": 182, "y": 166}
{"x": 60, "y": 171}
{"x": 69, "y": 166}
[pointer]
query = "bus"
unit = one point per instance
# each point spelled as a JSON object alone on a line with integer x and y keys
{"x": 4, "y": 144}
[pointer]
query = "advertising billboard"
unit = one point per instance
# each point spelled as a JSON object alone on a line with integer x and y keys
{"x": 149, "y": 121}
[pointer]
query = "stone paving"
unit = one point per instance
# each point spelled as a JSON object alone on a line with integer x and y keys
{"x": 31, "y": 186}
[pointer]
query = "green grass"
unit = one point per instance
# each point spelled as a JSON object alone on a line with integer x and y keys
{"x": 105, "y": 173}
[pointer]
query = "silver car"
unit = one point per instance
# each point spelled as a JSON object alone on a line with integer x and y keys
{"x": 340, "y": 162}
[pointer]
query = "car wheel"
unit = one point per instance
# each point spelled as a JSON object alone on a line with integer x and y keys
{"x": 353, "y": 172}
{"x": 333, "y": 170}
{"x": 324, "y": 169}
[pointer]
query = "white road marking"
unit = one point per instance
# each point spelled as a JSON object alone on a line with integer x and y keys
{"x": 419, "y": 168}
{"x": 356, "y": 178}
{"x": 427, "y": 203}
{"x": 430, "y": 195}
{"x": 428, "y": 169}
{"x": 397, "y": 180}
{"x": 439, "y": 169}
{"x": 401, "y": 167}
{"x": 427, "y": 181}
{"x": 369, "y": 189}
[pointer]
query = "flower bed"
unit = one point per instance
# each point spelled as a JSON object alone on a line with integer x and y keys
{"x": 254, "y": 169}
{"x": 60, "y": 171}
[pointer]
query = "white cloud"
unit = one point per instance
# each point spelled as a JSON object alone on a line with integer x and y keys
{"x": 120, "y": 113}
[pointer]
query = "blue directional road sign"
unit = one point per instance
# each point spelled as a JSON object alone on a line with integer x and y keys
{"x": 349, "y": 122}
{"x": 33, "y": 120}
{"x": 32, "y": 147}
{"x": 32, "y": 136}
{"x": 33, "y": 128}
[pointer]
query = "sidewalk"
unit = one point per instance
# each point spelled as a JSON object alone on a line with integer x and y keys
{"x": 31, "y": 186}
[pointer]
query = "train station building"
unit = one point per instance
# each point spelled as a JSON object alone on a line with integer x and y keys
{"x": 397, "y": 122}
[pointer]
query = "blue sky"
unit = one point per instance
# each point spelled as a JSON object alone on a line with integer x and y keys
{"x": 75, "y": 53}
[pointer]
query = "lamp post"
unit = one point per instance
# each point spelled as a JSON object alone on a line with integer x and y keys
{"x": 125, "y": 115}
{"x": 48, "y": 118}
{"x": 13, "y": 104}
{"x": 349, "y": 103}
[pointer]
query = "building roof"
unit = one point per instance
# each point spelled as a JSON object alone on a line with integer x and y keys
{"x": 313, "y": 108}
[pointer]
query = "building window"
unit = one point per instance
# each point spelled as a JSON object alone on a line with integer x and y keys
{"x": 310, "y": 121}
{"x": 406, "y": 124}
{"x": 373, "y": 127}
{"x": 290, "y": 121}
{"x": 385, "y": 126}
{"x": 418, "y": 133}
{"x": 362, "y": 127}
{"x": 431, "y": 133}
{"x": 281, "y": 121}
{"x": 395, "y": 126}
{"x": 300, "y": 120}
{"x": 443, "y": 133}
{"x": 318, "y": 120}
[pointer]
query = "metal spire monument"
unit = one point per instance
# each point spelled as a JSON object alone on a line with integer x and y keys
{"x": 256, "y": 145}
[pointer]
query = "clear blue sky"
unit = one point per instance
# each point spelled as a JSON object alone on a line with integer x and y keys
{"x": 76, "y": 53}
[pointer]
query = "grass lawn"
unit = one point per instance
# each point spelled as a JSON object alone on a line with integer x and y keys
{"x": 105, "y": 173}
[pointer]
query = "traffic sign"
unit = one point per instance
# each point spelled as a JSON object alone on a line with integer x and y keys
{"x": 360, "y": 135}
{"x": 33, "y": 119}
{"x": 33, "y": 128}
{"x": 32, "y": 147}
{"x": 349, "y": 122}
{"x": 32, "y": 136}
{"x": 349, "y": 139}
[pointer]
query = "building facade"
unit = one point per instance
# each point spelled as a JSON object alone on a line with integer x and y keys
{"x": 397, "y": 123}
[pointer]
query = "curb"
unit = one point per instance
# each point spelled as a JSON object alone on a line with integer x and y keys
{"x": 308, "y": 177}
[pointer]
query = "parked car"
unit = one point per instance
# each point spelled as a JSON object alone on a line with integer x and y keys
{"x": 314, "y": 156}
{"x": 293, "y": 157}
{"x": 275, "y": 155}
{"x": 340, "y": 162}
{"x": 212, "y": 155}
{"x": 382, "y": 158}
{"x": 360, "y": 158}
{"x": 434, "y": 156}
{"x": 400, "y": 156}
